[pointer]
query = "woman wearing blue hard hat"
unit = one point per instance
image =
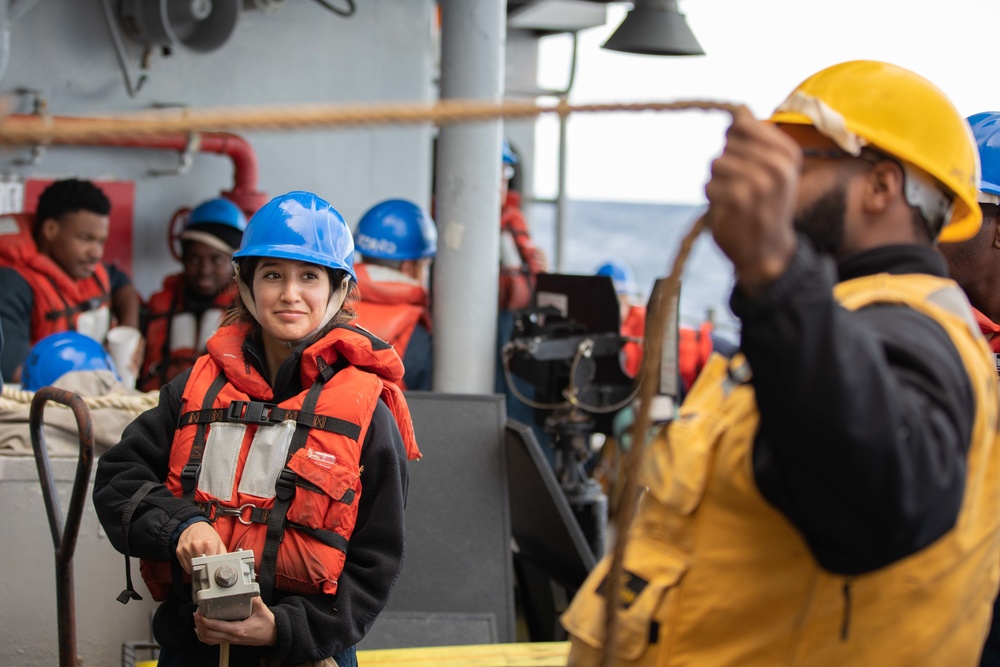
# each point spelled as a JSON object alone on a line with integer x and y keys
{"x": 261, "y": 445}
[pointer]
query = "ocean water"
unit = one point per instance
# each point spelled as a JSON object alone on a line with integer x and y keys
{"x": 646, "y": 236}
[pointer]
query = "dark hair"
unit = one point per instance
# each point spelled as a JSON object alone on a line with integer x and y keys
{"x": 68, "y": 196}
{"x": 990, "y": 211}
{"x": 238, "y": 313}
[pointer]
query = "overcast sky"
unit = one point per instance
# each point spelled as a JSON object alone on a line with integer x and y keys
{"x": 757, "y": 52}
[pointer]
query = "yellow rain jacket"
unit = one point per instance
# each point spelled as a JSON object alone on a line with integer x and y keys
{"x": 717, "y": 576}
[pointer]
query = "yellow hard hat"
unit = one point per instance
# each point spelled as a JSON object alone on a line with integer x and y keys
{"x": 869, "y": 103}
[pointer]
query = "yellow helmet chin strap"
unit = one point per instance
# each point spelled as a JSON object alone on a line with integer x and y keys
{"x": 923, "y": 193}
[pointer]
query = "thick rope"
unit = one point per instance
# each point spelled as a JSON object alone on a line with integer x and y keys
{"x": 664, "y": 295}
{"x": 45, "y": 129}
{"x": 134, "y": 404}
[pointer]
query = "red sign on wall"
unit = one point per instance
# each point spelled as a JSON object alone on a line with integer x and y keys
{"x": 118, "y": 249}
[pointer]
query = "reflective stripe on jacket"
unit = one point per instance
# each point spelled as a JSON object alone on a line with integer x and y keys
{"x": 718, "y": 576}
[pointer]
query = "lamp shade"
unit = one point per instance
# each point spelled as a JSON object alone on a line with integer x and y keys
{"x": 656, "y": 28}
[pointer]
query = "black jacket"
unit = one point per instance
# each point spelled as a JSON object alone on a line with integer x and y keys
{"x": 309, "y": 627}
{"x": 866, "y": 416}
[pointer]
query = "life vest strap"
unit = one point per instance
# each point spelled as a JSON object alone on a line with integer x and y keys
{"x": 284, "y": 488}
{"x": 84, "y": 306}
{"x": 129, "y": 593}
{"x": 249, "y": 514}
{"x": 189, "y": 474}
{"x": 327, "y": 537}
{"x": 259, "y": 412}
{"x": 213, "y": 509}
{"x": 69, "y": 311}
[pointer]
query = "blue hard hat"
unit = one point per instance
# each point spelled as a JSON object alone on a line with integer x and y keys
{"x": 396, "y": 229}
{"x": 218, "y": 211}
{"x": 508, "y": 153}
{"x": 621, "y": 275}
{"x": 301, "y": 226}
{"x": 58, "y": 354}
{"x": 986, "y": 129}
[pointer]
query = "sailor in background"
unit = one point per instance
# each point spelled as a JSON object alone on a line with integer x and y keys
{"x": 398, "y": 241}
{"x": 179, "y": 319}
{"x": 975, "y": 266}
{"x": 632, "y": 314}
{"x": 520, "y": 259}
{"x": 830, "y": 495}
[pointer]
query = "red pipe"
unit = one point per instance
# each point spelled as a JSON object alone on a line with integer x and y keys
{"x": 245, "y": 173}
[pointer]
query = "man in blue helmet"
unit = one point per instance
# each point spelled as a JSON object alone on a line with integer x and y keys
{"x": 186, "y": 311}
{"x": 398, "y": 241}
{"x": 975, "y": 266}
{"x": 520, "y": 259}
{"x": 633, "y": 315}
{"x": 520, "y": 263}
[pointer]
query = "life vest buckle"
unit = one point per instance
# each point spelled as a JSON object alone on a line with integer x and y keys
{"x": 92, "y": 303}
{"x": 214, "y": 509}
{"x": 284, "y": 486}
{"x": 251, "y": 412}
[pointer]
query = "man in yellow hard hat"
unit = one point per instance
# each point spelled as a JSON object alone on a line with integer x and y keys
{"x": 829, "y": 496}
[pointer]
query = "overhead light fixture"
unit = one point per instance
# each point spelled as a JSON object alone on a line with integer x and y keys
{"x": 654, "y": 28}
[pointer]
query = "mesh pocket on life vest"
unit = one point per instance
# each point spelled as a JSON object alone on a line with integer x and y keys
{"x": 266, "y": 459}
{"x": 222, "y": 454}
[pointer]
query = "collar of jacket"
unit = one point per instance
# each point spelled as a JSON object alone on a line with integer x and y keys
{"x": 893, "y": 259}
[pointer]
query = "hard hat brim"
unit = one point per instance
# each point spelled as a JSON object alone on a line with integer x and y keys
{"x": 295, "y": 253}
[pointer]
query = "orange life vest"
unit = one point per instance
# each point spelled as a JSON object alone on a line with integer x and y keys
{"x": 694, "y": 347}
{"x": 517, "y": 283}
{"x": 166, "y": 355}
{"x": 58, "y": 299}
{"x": 297, "y": 519}
{"x": 991, "y": 331}
{"x": 391, "y": 306}
{"x": 633, "y": 326}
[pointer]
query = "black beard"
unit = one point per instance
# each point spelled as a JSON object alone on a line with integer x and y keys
{"x": 823, "y": 222}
